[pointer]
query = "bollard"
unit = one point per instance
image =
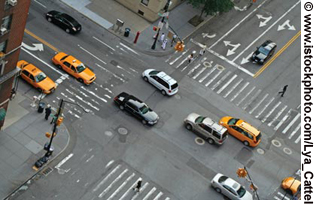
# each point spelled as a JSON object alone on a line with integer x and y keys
{"x": 137, "y": 36}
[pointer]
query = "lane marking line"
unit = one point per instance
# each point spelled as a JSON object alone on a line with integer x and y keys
{"x": 41, "y": 40}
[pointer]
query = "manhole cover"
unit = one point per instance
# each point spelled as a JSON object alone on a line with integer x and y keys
{"x": 260, "y": 151}
{"x": 199, "y": 141}
{"x": 287, "y": 150}
{"x": 108, "y": 133}
{"x": 276, "y": 143}
{"x": 220, "y": 67}
{"x": 122, "y": 131}
{"x": 47, "y": 171}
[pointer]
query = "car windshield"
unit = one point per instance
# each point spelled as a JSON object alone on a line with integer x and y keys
{"x": 241, "y": 192}
{"x": 174, "y": 86}
{"x": 40, "y": 77}
{"x": 154, "y": 72}
{"x": 222, "y": 179}
{"x": 258, "y": 137}
{"x": 199, "y": 119}
{"x": 263, "y": 50}
{"x": 144, "y": 109}
{"x": 81, "y": 68}
{"x": 232, "y": 121}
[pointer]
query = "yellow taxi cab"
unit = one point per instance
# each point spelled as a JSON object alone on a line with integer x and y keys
{"x": 36, "y": 77}
{"x": 291, "y": 185}
{"x": 242, "y": 130}
{"x": 74, "y": 67}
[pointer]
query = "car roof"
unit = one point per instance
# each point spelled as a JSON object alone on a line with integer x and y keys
{"x": 249, "y": 128}
{"x": 232, "y": 183}
{"x": 73, "y": 61}
{"x": 166, "y": 77}
{"x": 214, "y": 125}
{"x": 31, "y": 69}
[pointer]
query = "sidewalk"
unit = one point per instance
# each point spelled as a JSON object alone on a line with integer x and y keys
{"x": 21, "y": 143}
{"x": 105, "y": 14}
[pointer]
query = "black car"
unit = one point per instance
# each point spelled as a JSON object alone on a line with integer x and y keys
{"x": 264, "y": 52}
{"x": 137, "y": 108}
{"x": 64, "y": 21}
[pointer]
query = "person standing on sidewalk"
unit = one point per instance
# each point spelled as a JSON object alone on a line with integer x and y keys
{"x": 173, "y": 40}
{"x": 138, "y": 187}
{"x": 164, "y": 43}
{"x": 283, "y": 90}
{"x": 162, "y": 37}
{"x": 47, "y": 111}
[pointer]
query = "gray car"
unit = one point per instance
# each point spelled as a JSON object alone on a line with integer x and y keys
{"x": 206, "y": 128}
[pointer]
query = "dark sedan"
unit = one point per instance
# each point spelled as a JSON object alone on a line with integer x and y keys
{"x": 64, "y": 21}
{"x": 137, "y": 108}
{"x": 264, "y": 52}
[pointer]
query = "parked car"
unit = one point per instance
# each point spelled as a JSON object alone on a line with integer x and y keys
{"x": 137, "y": 108}
{"x": 264, "y": 52}
{"x": 166, "y": 84}
{"x": 74, "y": 67}
{"x": 242, "y": 130}
{"x": 64, "y": 21}
{"x": 230, "y": 188}
{"x": 36, "y": 77}
{"x": 291, "y": 185}
{"x": 208, "y": 129}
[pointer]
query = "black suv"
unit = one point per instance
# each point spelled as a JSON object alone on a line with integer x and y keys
{"x": 64, "y": 21}
{"x": 264, "y": 52}
{"x": 137, "y": 108}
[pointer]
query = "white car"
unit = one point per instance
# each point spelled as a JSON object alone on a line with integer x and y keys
{"x": 230, "y": 188}
{"x": 163, "y": 82}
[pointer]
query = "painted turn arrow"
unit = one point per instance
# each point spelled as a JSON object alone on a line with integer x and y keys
{"x": 35, "y": 47}
{"x": 246, "y": 60}
{"x": 286, "y": 23}
{"x": 207, "y": 35}
{"x": 231, "y": 51}
{"x": 263, "y": 23}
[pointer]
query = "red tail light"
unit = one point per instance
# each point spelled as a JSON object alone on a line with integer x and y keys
{"x": 169, "y": 91}
{"x": 116, "y": 98}
{"x": 220, "y": 141}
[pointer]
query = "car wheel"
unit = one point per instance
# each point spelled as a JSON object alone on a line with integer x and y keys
{"x": 49, "y": 19}
{"x": 163, "y": 92}
{"x": 188, "y": 127}
{"x": 145, "y": 79}
{"x": 210, "y": 141}
{"x": 218, "y": 190}
{"x": 246, "y": 143}
{"x": 121, "y": 107}
{"x": 80, "y": 80}
{"x": 59, "y": 67}
{"x": 144, "y": 122}
{"x": 40, "y": 90}
{"x": 67, "y": 30}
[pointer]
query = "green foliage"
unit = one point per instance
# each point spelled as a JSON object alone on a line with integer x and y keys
{"x": 211, "y": 7}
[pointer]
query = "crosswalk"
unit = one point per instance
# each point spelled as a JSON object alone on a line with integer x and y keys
{"x": 119, "y": 183}
{"x": 266, "y": 107}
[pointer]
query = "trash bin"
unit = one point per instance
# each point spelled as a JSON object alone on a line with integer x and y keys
{"x": 41, "y": 107}
{"x": 127, "y": 32}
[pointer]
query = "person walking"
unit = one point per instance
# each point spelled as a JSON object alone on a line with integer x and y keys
{"x": 283, "y": 90}
{"x": 47, "y": 111}
{"x": 191, "y": 56}
{"x": 173, "y": 40}
{"x": 138, "y": 187}
{"x": 164, "y": 44}
{"x": 202, "y": 51}
{"x": 162, "y": 37}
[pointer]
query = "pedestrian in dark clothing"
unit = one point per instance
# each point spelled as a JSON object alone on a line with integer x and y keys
{"x": 173, "y": 40}
{"x": 47, "y": 111}
{"x": 54, "y": 118}
{"x": 283, "y": 90}
{"x": 137, "y": 188}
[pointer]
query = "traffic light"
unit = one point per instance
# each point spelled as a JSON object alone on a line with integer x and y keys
{"x": 241, "y": 172}
{"x": 179, "y": 46}
{"x": 59, "y": 121}
{"x": 155, "y": 28}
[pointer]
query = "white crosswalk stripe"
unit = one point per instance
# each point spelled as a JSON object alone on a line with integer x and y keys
{"x": 121, "y": 186}
{"x": 150, "y": 193}
{"x": 283, "y": 120}
{"x": 240, "y": 90}
{"x": 291, "y": 123}
{"x": 257, "y": 105}
{"x": 294, "y": 131}
{"x": 212, "y": 79}
{"x": 111, "y": 184}
{"x": 235, "y": 85}
{"x": 192, "y": 70}
{"x": 221, "y": 80}
{"x": 278, "y": 114}
{"x": 247, "y": 94}
{"x": 226, "y": 84}
{"x": 298, "y": 139}
{"x": 271, "y": 111}
{"x": 201, "y": 71}
{"x": 158, "y": 196}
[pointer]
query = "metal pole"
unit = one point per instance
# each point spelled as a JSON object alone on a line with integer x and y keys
{"x": 252, "y": 184}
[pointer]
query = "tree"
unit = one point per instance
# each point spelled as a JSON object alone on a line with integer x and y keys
{"x": 211, "y": 7}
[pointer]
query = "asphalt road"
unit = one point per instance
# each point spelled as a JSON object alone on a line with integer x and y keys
{"x": 110, "y": 150}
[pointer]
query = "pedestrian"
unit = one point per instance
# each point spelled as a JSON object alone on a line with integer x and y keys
{"x": 202, "y": 51}
{"x": 162, "y": 37}
{"x": 47, "y": 111}
{"x": 283, "y": 90}
{"x": 173, "y": 40}
{"x": 54, "y": 118}
{"x": 164, "y": 43}
{"x": 191, "y": 56}
{"x": 138, "y": 187}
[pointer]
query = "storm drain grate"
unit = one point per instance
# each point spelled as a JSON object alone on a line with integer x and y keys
{"x": 47, "y": 171}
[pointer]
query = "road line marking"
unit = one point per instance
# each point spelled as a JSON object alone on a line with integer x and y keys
{"x": 150, "y": 193}
{"x": 109, "y": 163}
{"x": 171, "y": 63}
{"x": 244, "y": 86}
{"x": 116, "y": 76}
{"x": 129, "y": 49}
{"x": 104, "y": 43}
{"x": 158, "y": 196}
{"x": 41, "y": 40}
{"x": 201, "y": 71}
{"x": 40, "y": 4}
{"x": 63, "y": 161}
{"x": 250, "y": 112}
{"x": 121, "y": 186}
{"x": 247, "y": 94}
{"x": 279, "y": 113}
{"x": 131, "y": 187}
{"x": 141, "y": 189}
{"x": 171, "y": 57}
{"x": 91, "y": 54}
{"x": 167, "y": 198}
{"x": 282, "y": 195}
{"x": 256, "y": 39}
{"x": 271, "y": 111}
{"x": 192, "y": 70}
{"x": 235, "y": 85}
{"x": 294, "y": 131}
{"x": 214, "y": 77}
{"x": 183, "y": 61}
{"x": 283, "y": 119}
{"x": 298, "y": 139}
{"x": 226, "y": 84}
{"x": 106, "y": 178}
{"x": 276, "y": 198}
{"x": 202, "y": 79}
{"x": 272, "y": 99}
{"x": 291, "y": 123}
{"x": 111, "y": 184}
{"x": 221, "y": 80}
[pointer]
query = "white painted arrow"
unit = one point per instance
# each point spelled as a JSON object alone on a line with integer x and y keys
{"x": 246, "y": 60}
{"x": 35, "y": 47}
{"x": 231, "y": 51}
{"x": 286, "y": 23}
{"x": 263, "y": 23}
{"x": 207, "y": 35}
